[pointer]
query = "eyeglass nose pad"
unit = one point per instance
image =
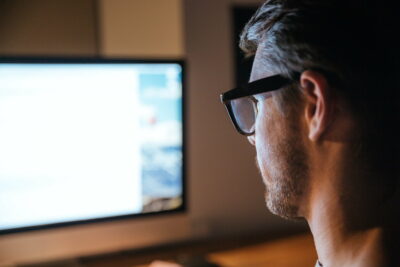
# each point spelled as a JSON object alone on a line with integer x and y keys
{"x": 252, "y": 139}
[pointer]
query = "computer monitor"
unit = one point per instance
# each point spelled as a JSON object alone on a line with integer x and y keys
{"x": 84, "y": 141}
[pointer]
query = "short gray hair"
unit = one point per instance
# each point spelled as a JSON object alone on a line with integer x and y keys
{"x": 353, "y": 43}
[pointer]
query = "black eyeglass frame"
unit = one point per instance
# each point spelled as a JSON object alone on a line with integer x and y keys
{"x": 264, "y": 85}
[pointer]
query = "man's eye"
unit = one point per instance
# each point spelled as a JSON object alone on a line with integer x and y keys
{"x": 255, "y": 101}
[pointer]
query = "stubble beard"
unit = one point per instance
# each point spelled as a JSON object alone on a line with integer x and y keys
{"x": 285, "y": 175}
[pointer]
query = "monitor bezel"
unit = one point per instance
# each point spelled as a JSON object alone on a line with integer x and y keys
{"x": 100, "y": 60}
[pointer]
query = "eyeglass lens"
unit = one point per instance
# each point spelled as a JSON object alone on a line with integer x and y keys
{"x": 244, "y": 111}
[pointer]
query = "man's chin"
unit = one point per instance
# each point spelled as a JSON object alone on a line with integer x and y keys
{"x": 281, "y": 208}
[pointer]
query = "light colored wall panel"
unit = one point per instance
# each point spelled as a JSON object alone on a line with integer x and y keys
{"x": 144, "y": 29}
{"x": 47, "y": 27}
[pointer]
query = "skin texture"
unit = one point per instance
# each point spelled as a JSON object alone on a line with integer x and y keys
{"x": 278, "y": 134}
{"x": 307, "y": 162}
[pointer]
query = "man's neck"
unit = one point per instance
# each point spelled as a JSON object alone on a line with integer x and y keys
{"x": 352, "y": 214}
{"x": 336, "y": 247}
{"x": 350, "y": 233}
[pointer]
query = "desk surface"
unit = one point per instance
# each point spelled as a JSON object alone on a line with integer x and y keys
{"x": 295, "y": 251}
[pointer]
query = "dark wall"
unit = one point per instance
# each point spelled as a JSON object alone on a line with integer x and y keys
{"x": 240, "y": 16}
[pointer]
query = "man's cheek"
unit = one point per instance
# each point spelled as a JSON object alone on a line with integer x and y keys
{"x": 262, "y": 159}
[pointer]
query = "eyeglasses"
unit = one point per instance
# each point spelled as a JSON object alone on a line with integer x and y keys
{"x": 242, "y": 106}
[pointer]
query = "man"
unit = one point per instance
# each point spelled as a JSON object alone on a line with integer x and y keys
{"x": 321, "y": 110}
{"x": 322, "y": 113}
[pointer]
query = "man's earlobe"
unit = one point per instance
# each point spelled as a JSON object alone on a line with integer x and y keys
{"x": 319, "y": 103}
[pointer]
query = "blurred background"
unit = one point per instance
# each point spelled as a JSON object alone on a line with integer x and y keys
{"x": 225, "y": 194}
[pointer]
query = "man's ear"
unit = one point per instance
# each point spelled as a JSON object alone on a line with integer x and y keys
{"x": 319, "y": 103}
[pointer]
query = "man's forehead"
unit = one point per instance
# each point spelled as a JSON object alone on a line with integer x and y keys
{"x": 261, "y": 68}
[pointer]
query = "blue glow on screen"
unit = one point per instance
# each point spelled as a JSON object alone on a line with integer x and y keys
{"x": 87, "y": 141}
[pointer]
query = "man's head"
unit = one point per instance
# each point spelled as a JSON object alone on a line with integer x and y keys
{"x": 342, "y": 59}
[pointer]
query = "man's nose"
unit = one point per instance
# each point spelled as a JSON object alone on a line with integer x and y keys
{"x": 251, "y": 139}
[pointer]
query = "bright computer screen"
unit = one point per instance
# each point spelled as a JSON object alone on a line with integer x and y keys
{"x": 82, "y": 141}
